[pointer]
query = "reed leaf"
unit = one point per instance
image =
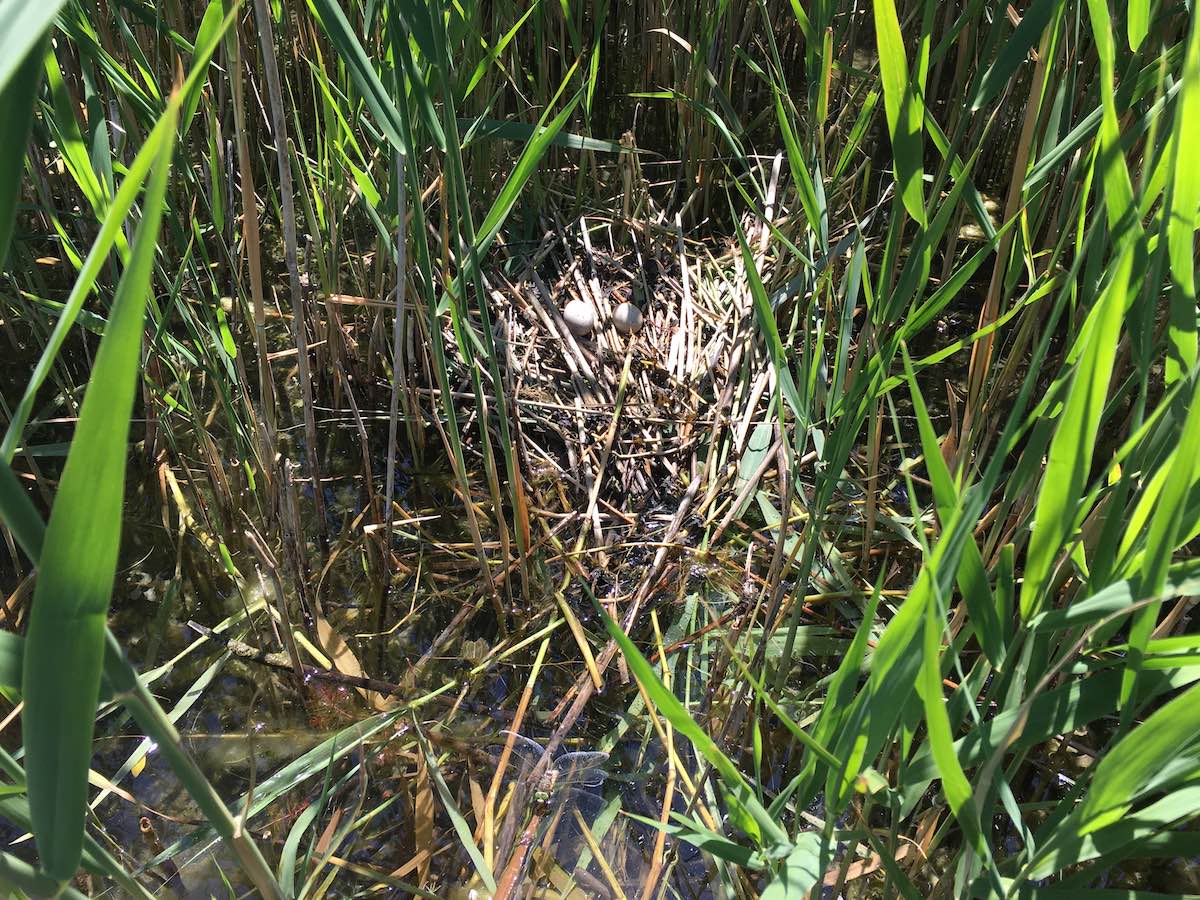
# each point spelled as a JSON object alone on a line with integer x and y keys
{"x": 65, "y": 643}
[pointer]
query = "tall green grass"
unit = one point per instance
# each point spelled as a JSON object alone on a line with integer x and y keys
{"x": 1019, "y": 564}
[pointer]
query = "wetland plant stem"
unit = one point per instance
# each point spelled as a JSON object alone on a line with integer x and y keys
{"x": 287, "y": 204}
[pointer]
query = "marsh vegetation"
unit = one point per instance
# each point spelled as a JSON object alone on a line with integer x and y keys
{"x": 642, "y": 449}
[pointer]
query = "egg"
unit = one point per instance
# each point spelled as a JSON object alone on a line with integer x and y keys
{"x": 627, "y": 318}
{"x": 580, "y": 318}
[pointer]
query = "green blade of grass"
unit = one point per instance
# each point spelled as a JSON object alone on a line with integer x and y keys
{"x": 814, "y": 746}
{"x": 955, "y": 786}
{"x": 539, "y": 141}
{"x": 1181, "y": 218}
{"x": 770, "y": 331}
{"x": 1114, "y": 170}
{"x": 1075, "y": 437}
{"x": 287, "y": 861}
{"x": 801, "y": 178}
{"x": 70, "y": 139}
{"x": 1138, "y": 21}
{"x": 211, "y": 27}
{"x": 338, "y": 29}
{"x": 1162, "y": 539}
{"x": 873, "y": 712}
{"x": 1165, "y": 845}
{"x": 304, "y": 821}
{"x": 65, "y": 642}
{"x": 1128, "y": 766}
{"x": 493, "y": 51}
{"x": 971, "y": 576}
{"x": 905, "y": 110}
{"x": 19, "y": 514}
{"x": 22, "y": 26}
{"x": 675, "y": 712}
{"x": 1129, "y": 92}
{"x": 16, "y": 110}
{"x": 711, "y": 842}
{"x": 839, "y": 695}
{"x": 12, "y": 655}
{"x": 1024, "y": 38}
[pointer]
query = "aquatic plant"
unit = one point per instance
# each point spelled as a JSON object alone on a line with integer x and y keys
{"x": 576, "y": 370}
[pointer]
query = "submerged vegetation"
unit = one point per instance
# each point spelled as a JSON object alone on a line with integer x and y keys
{"x": 643, "y": 449}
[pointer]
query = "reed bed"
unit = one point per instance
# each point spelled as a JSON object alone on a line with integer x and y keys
{"x": 339, "y": 563}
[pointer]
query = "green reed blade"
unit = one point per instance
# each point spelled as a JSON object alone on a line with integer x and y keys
{"x": 902, "y": 101}
{"x": 1182, "y": 217}
{"x": 22, "y": 26}
{"x": 16, "y": 109}
{"x": 65, "y": 643}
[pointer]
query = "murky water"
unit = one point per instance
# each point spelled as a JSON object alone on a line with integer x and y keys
{"x": 243, "y": 721}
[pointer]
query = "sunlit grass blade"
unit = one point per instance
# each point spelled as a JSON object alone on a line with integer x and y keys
{"x": 1166, "y": 737}
{"x": 905, "y": 108}
{"x": 941, "y": 736}
{"x": 972, "y": 574}
{"x": 22, "y": 25}
{"x": 1181, "y": 217}
{"x": 65, "y": 642}
{"x": 1166, "y": 527}
{"x": 338, "y": 28}
{"x": 1075, "y": 437}
{"x": 1114, "y": 170}
{"x": 1138, "y": 18}
{"x": 540, "y": 139}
